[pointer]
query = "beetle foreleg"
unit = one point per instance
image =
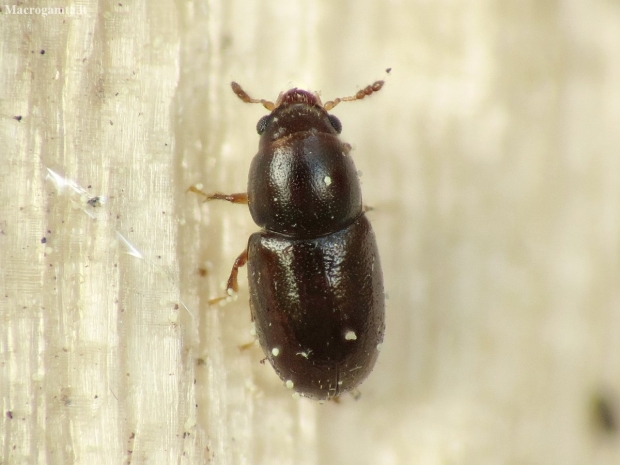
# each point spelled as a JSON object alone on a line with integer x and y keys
{"x": 241, "y": 197}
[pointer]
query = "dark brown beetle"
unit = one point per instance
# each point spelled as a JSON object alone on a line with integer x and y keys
{"x": 316, "y": 287}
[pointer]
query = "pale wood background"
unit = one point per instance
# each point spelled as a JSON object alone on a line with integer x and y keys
{"x": 491, "y": 158}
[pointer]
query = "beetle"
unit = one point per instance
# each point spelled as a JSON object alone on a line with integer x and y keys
{"x": 315, "y": 280}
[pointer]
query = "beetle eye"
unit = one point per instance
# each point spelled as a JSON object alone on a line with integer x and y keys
{"x": 336, "y": 124}
{"x": 262, "y": 124}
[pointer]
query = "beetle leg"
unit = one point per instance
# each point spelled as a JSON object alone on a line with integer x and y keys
{"x": 246, "y": 346}
{"x": 241, "y": 197}
{"x": 241, "y": 260}
{"x": 232, "y": 285}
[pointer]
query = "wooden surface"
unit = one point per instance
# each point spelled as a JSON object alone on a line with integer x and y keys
{"x": 490, "y": 158}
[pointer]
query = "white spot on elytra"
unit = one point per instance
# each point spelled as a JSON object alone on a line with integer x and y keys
{"x": 327, "y": 180}
{"x": 289, "y": 384}
{"x": 275, "y": 351}
{"x": 379, "y": 347}
{"x": 350, "y": 336}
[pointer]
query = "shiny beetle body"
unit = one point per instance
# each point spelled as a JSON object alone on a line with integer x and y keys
{"x": 315, "y": 281}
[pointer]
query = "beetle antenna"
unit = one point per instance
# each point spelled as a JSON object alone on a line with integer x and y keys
{"x": 243, "y": 95}
{"x": 360, "y": 94}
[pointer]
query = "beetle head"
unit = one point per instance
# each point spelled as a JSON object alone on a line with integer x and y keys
{"x": 296, "y": 95}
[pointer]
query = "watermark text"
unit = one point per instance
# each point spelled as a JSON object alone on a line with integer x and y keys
{"x": 44, "y": 11}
